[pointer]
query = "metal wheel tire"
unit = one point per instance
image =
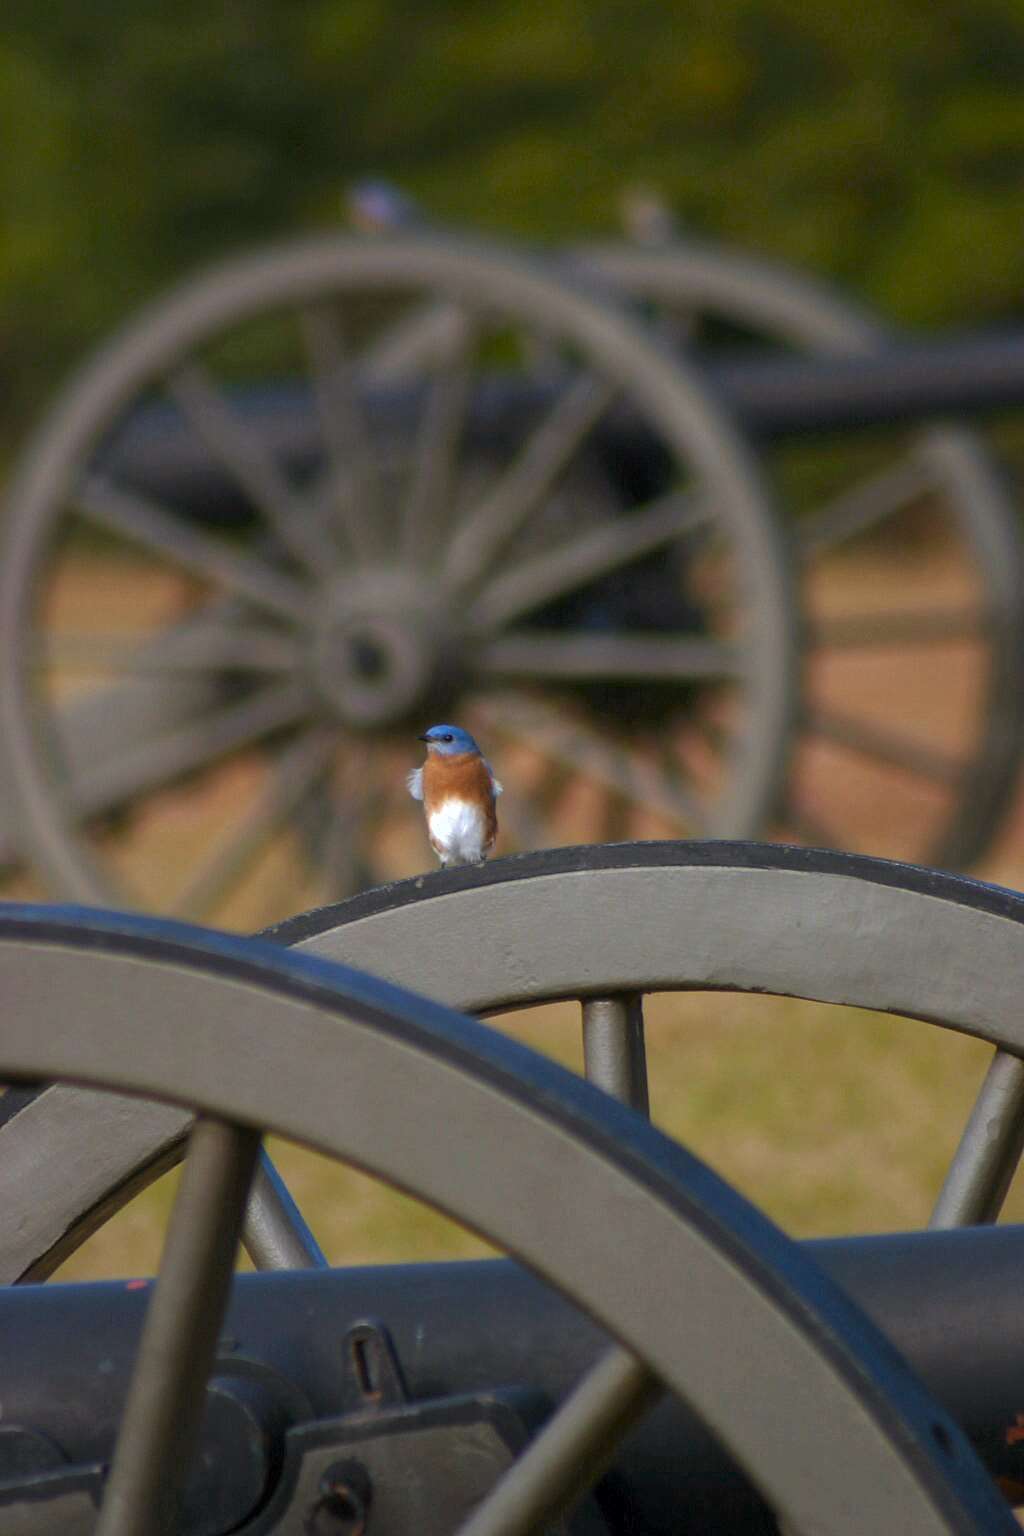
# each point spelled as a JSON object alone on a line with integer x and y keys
{"x": 254, "y": 1037}
{"x": 275, "y": 668}
{"x": 951, "y": 793}
{"x": 605, "y": 925}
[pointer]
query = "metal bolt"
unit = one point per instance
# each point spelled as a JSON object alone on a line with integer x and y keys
{"x": 342, "y": 1507}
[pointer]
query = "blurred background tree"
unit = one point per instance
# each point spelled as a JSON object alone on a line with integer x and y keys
{"x": 881, "y": 144}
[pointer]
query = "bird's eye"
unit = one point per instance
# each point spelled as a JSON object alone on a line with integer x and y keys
{"x": 448, "y": 737}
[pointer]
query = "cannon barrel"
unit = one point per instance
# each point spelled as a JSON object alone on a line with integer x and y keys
{"x": 775, "y": 397}
{"x": 778, "y": 397}
{"x": 949, "y": 1301}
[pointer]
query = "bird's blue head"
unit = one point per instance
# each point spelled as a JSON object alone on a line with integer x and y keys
{"x": 449, "y": 740}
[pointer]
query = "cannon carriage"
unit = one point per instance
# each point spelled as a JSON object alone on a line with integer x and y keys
{"x": 420, "y": 1397}
{"x": 295, "y": 505}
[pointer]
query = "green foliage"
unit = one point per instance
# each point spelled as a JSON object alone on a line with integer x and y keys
{"x": 880, "y": 144}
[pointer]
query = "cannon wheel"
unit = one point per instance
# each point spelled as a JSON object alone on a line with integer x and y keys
{"x": 836, "y": 1434}
{"x": 279, "y": 668}
{"x": 604, "y": 925}
{"x": 948, "y": 794}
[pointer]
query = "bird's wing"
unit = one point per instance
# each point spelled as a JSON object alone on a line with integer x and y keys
{"x": 495, "y": 783}
{"x": 414, "y": 781}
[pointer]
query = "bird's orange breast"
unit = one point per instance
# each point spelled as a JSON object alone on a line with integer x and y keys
{"x": 462, "y": 776}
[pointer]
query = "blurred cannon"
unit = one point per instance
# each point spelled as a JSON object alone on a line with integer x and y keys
{"x": 323, "y": 493}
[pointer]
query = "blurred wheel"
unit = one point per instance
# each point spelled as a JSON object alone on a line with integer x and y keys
{"x": 911, "y": 572}
{"x": 226, "y": 604}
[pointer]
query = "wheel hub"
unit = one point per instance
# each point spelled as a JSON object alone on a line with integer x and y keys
{"x": 380, "y": 651}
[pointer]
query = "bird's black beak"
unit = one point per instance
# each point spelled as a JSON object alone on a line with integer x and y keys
{"x": 422, "y": 738}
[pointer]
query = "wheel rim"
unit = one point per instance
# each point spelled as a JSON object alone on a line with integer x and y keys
{"x": 857, "y": 1418}
{"x": 736, "y": 917}
{"x": 357, "y": 652}
{"x": 949, "y": 786}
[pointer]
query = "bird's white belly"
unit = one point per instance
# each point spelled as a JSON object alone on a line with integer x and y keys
{"x": 457, "y": 829}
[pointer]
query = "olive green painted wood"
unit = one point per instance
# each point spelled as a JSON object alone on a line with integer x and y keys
{"x": 600, "y": 921}
{"x": 796, "y": 1383}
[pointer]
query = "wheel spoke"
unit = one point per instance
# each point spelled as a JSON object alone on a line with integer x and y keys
{"x": 345, "y": 869}
{"x": 345, "y": 872}
{"x": 157, "y": 762}
{"x": 534, "y": 582}
{"x": 350, "y": 489}
{"x": 712, "y": 733}
{"x": 434, "y": 479}
{"x": 524, "y": 829}
{"x": 612, "y": 822}
{"x": 165, "y": 1398}
{"x": 583, "y": 656}
{"x": 291, "y": 779}
{"x": 572, "y": 1450}
{"x": 862, "y": 507}
{"x": 526, "y": 817}
{"x": 322, "y": 337}
{"x": 809, "y": 828}
{"x": 275, "y": 1234}
{"x": 547, "y": 729}
{"x": 860, "y": 631}
{"x": 614, "y": 1053}
{"x": 488, "y": 528}
{"x": 243, "y": 454}
{"x": 422, "y": 338}
{"x": 173, "y": 538}
{"x": 990, "y": 1148}
{"x": 887, "y": 746}
{"x": 203, "y": 646}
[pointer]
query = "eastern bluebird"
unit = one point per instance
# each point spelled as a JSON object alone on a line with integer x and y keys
{"x": 458, "y": 791}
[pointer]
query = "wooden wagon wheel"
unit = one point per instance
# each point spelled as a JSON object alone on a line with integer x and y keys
{"x": 400, "y": 564}
{"x": 604, "y": 925}
{"x": 877, "y": 769}
{"x": 253, "y": 1037}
